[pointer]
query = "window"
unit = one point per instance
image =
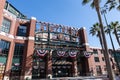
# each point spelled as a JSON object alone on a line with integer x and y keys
{"x": 105, "y": 69}
{"x": 17, "y": 60}
{"x": 103, "y": 59}
{"x": 98, "y": 70}
{"x": 111, "y": 59}
{"x": 4, "y": 49}
{"x": 96, "y": 59}
{"x": 6, "y": 24}
{"x": 22, "y": 30}
{"x": 101, "y": 51}
{"x": 95, "y": 51}
{"x": 45, "y": 28}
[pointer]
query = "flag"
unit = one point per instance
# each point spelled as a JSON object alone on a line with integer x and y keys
{"x": 41, "y": 52}
{"x": 87, "y": 54}
{"x": 61, "y": 53}
{"x": 16, "y": 64}
{"x": 72, "y": 54}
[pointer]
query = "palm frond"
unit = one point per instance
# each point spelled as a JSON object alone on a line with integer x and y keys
{"x": 106, "y": 29}
{"x": 108, "y": 1}
{"x": 118, "y": 29}
{"x": 112, "y": 4}
{"x": 94, "y": 29}
{"x": 118, "y": 7}
{"x": 92, "y": 4}
{"x": 85, "y": 1}
{"x": 111, "y": 7}
{"x": 97, "y": 24}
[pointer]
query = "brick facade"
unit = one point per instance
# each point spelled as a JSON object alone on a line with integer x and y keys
{"x": 78, "y": 66}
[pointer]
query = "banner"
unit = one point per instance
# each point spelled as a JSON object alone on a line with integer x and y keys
{"x": 41, "y": 52}
{"x": 87, "y": 54}
{"x": 16, "y": 64}
{"x": 61, "y": 53}
{"x": 72, "y": 54}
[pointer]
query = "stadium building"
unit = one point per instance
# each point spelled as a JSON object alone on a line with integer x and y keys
{"x": 31, "y": 49}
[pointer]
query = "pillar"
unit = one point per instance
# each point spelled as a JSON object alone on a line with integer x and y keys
{"x": 49, "y": 65}
{"x": 2, "y": 4}
{"x": 84, "y": 43}
{"x": 9, "y": 61}
{"x": 83, "y": 38}
{"x": 28, "y": 56}
{"x": 74, "y": 64}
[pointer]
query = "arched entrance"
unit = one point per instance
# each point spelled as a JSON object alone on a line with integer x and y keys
{"x": 39, "y": 65}
{"x": 63, "y": 70}
{"x": 62, "y": 65}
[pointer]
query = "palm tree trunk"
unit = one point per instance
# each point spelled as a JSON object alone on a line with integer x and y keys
{"x": 100, "y": 38}
{"x": 109, "y": 33}
{"x": 117, "y": 38}
{"x": 106, "y": 53}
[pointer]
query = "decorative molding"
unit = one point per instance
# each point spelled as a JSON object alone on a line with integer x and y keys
{"x": 2, "y": 33}
{"x": 19, "y": 37}
{"x": 10, "y": 36}
{"x": 8, "y": 14}
{"x": 23, "y": 21}
{"x": 16, "y": 37}
{"x": 85, "y": 44}
{"x": 6, "y": 78}
{"x": 28, "y": 77}
{"x": 33, "y": 18}
{"x": 95, "y": 47}
{"x": 31, "y": 38}
{"x": 83, "y": 28}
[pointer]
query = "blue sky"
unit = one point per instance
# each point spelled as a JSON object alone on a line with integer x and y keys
{"x": 66, "y": 12}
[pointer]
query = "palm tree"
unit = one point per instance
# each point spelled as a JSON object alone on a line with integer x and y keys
{"x": 115, "y": 27}
{"x": 95, "y": 4}
{"x": 108, "y": 30}
{"x": 95, "y": 31}
{"x": 113, "y": 4}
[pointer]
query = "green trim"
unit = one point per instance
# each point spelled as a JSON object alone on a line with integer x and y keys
{"x": 16, "y": 60}
{"x": 14, "y": 11}
{"x": 37, "y": 32}
{"x": 3, "y": 59}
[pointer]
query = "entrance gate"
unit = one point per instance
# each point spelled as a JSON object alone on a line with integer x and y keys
{"x": 39, "y": 68}
{"x": 60, "y": 41}
{"x": 62, "y": 70}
